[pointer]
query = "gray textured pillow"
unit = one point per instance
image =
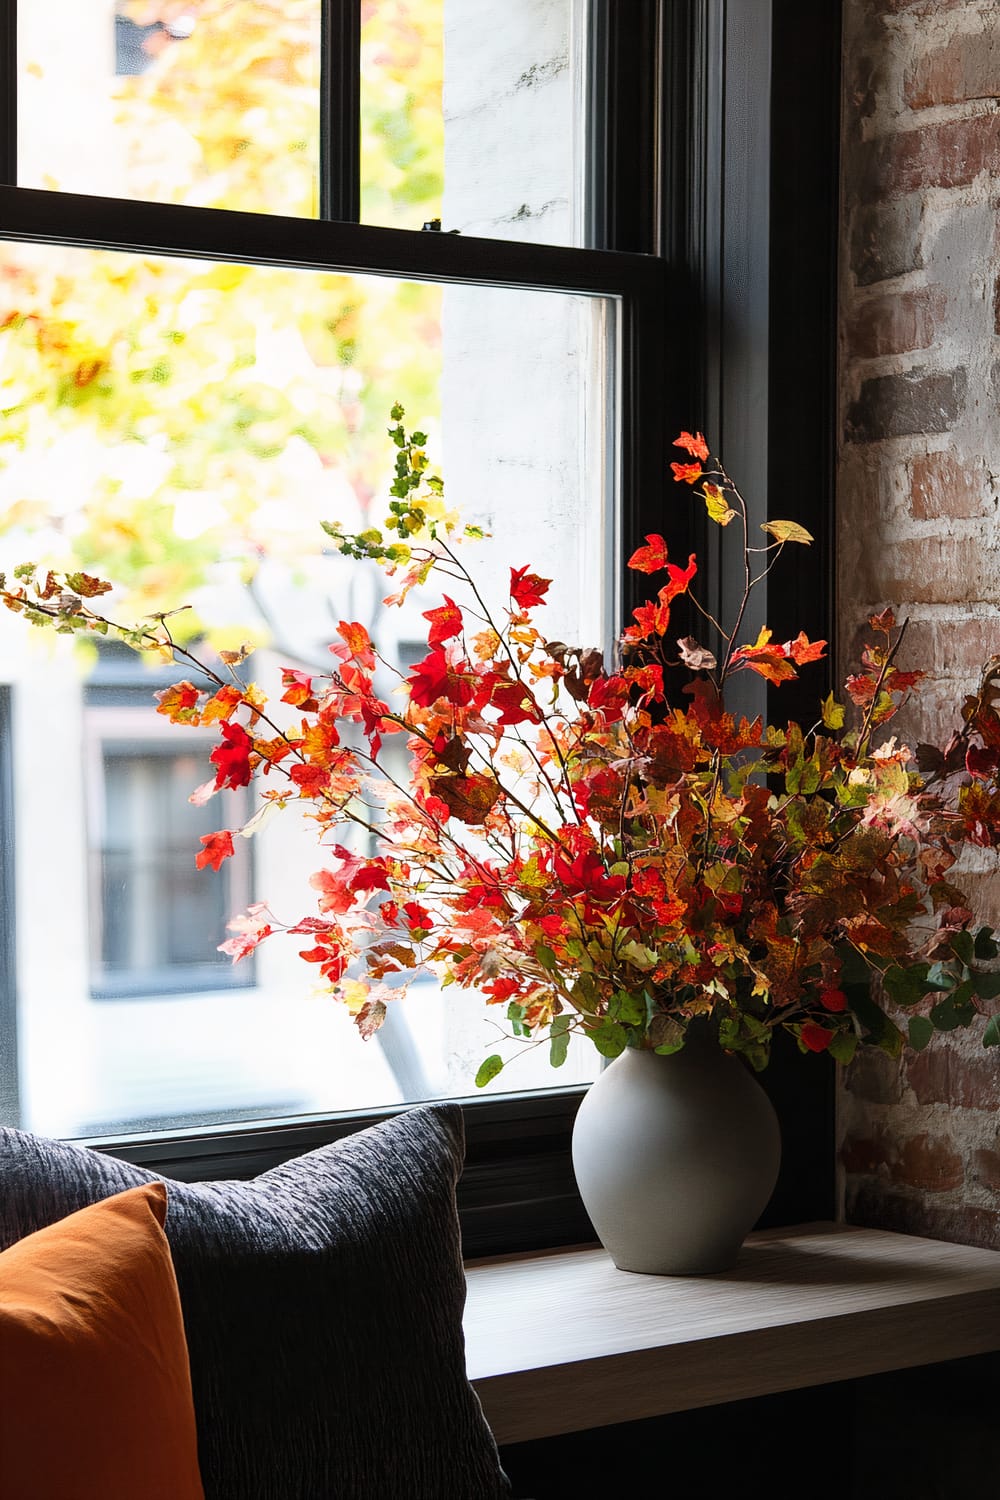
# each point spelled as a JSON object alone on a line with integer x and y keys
{"x": 323, "y": 1308}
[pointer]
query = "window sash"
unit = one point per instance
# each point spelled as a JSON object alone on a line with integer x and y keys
{"x": 518, "y": 1189}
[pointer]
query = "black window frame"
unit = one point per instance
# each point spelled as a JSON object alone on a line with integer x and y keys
{"x": 675, "y": 82}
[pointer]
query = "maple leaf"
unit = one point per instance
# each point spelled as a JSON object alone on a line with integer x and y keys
{"x": 86, "y": 585}
{"x": 802, "y": 649}
{"x": 298, "y": 690}
{"x": 515, "y": 703}
{"x": 445, "y": 621}
{"x": 652, "y": 557}
{"x": 370, "y": 1017}
{"x": 357, "y": 644}
{"x": 312, "y": 781}
{"x": 251, "y": 928}
{"x": 981, "y": 761}
{"x": 696, "y": 445}
{"x": 468, "y": 798}
{"x": 689, "y": 473}
{"x": 698, "y": 658}
{"x": 218, "y": 846}
{"x": 232, "y": 757}
{"x": 435, "y": 678}
{"x": 179, "y": 703}
{"x": 221, "y": 704}
{"x": 526, "y": 589}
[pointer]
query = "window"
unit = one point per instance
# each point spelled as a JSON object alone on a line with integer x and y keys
{"x": 189, "y": 388}
{"x": 213, "y": 287}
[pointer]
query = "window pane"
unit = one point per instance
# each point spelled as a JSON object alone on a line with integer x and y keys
{"x": 183, "y": 427}
{"x": 208, "y": 102}
{"x": 472, "y": 113}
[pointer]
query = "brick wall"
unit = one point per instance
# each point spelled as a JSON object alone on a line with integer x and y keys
{"x": 919, "y": 511}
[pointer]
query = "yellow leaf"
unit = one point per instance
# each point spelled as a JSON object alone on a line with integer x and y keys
{"x": 715, "y": 504}
{"x": 833, "y": 712}
{"x": 786, "y": 531}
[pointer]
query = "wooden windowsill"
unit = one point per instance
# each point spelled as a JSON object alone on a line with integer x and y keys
{"x": 562, "y": 1341}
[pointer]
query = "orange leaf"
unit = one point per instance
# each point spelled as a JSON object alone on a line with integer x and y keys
{"x": 652, "y": 557}
{"x": 696, "y": 446}
{"x": 218, "y": 846}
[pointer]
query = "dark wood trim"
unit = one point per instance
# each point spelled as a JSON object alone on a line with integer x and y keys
{"x": 312, "y": 244}
{"x": 625, "y": 125}
{"x": 10, "y": 1106}
{"x": 340, "y": 112}
{"x": 8, "y": 91}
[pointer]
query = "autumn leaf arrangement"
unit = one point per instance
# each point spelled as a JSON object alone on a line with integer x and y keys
{"x": 602, "y": 849}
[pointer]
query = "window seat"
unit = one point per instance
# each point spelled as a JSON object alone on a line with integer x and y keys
{"x": 562, "y": 1341}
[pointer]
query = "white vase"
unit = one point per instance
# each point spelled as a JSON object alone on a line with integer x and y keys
{"x": 676, "y": 1157}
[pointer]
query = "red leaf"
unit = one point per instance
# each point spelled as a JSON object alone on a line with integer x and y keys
{"x": 526, "y": 589}
{"x": 690, "y": 473}
{"x": 981, "y": 761}
{"x": 816, "y": 1038}
{"x": 232, "y": 758}
{"x": 446, "y": 622}
{"x": 696, "y": 446}
{"x": 833, "y": 999}
{"x": 802, "y": 649}
{"x": 178, "y": 703}
{"x": 218, "y": 846}
{"x": 435, "y": 678}
{"x": 652, "y": 557}
{"x": 358, "y": 643}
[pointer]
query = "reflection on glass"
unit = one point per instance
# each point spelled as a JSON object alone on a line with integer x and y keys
{"x": 183, "y": 428}
{"x": 208, "y": 102}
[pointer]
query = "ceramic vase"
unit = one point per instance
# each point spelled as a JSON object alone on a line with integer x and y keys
{"x": 676, "y": 1157}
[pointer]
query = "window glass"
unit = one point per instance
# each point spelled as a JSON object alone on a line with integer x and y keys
{"x": 473, "y": 114}
{"x": 183, "y": 427}
{"x": 208, "y": 102}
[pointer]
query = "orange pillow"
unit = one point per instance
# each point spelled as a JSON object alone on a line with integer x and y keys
{"x": 95, "y": 1389}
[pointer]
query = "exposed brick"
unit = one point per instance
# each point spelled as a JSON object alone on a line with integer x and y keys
{"x": 966, "y": 67}
{"x": 928, "y": 1164}
{"x": 920, "y": 7}
{"x": 886, "y": 240}
{"x": 948, "y": 155}
{"x": 928, "y": 570}
{"x": 917, "y": 401}
{"x": 962, "y": 1224}
{"x": 874, "y": 1077}
{"x": 961, "y": 647}
{"x": 986, "y": 1165}
{"x": 942, "y": 1075}
{"x": 942, "y": 487}
{"x": 863, "y": 1155}
{"x": 896, "y": 322}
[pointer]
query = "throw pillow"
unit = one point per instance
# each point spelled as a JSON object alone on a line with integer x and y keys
{"x": 323, "y": 1305}
{"x": 95, "y": 1389}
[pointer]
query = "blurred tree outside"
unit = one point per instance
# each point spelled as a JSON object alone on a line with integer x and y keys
{"x": 174, "y": 424}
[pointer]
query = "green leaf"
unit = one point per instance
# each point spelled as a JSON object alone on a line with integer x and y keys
{"x": 545, "y": 956}
{"x": 559, "y": 1040}
{"x": 985, "y": 946}
{"x": 964, "y": 945}
{"x": 608, "y": 1037}
{"x": 921, "y": 1030}
{"x": 786, "y": 531}
{"x": 515, "y": 1015}
{"x": 940, "y": 978}
{"x": 955, "y": 1010}
{"x": 488, "y": 1070}
{"x": 987, "y": 986}
{"x": 628, "y": 1008}
{"x": 833, "y": 712}
{"x": 843, "y": 1046}
{"x": 906, "y": 986}
{"x": 883, "y": 1032}
{"x": 991, "y": 1036}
